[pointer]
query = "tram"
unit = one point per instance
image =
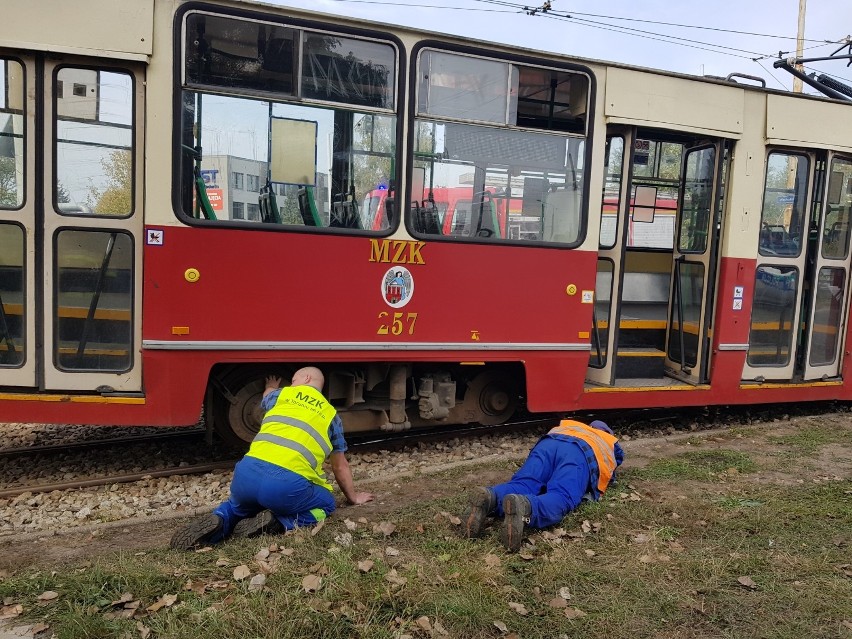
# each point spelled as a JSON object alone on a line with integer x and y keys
{"x": 185, "y": 208}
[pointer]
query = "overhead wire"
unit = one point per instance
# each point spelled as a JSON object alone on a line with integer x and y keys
{"x": 659, "y": 22}
{"x": 550, "y": 13}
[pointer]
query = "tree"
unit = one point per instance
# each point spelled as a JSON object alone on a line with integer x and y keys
{"x": 8, "y": 183}
{"x": 116, "y": 198}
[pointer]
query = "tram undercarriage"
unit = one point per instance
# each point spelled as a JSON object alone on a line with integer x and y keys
{"x": 373, "y": 396}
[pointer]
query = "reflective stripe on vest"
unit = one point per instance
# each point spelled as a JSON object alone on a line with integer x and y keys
{"x": 601, "y": 443}
{"x": 294, "y": 433}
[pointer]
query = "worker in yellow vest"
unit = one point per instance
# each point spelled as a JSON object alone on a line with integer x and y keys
{"x": 280, "y": 483}
{"x": 572, "y": 461}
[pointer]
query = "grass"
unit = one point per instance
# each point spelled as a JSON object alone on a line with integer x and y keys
{"x": 667, "y": 563}
{"x": 698, "y": 465}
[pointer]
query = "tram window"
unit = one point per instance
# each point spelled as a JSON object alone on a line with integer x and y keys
{"x": 356, "y": 72}
{"x": 828, "y": 312}
{"x": 785, "y": 198}
{"x": 311, "y": 154}
{"x": 771, "y": 333}
{"x": 611, "y": 200}
{"x": 838, "y": 211}
{"x": 500, "y": 184}
{"x": 93, "y": 310}
{"x": 94, "y": 143}
{"x": 698, "y": 195}
{"x": 601, "y": 312}
{"x": 12, "y": 300}
{"x": 229, "y": 53}
{"x": 470, "y": 88}
{"x": 656, "y": 165}
{"x": 351, "y": 154}
{"x": 11, "y": 134}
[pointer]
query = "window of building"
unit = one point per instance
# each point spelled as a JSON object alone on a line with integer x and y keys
{"x": 252, "y": 212}
{"x": 237, "y": 180}
{"x": 237, "y": 210}
{"x": 252, "y": 183}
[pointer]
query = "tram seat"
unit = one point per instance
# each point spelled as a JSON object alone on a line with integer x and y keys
{"x": 268, "y": 205}
{"x": 489, "y": 225}
{"x": 561, "y": 216}
{"x": 426, "y": 218}
{"x": 775, "y": 240}
{"x": 345, "y": 215}
{"x": 308, "y": 207}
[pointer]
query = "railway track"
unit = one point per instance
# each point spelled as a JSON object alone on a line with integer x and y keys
{"x": 361, "y": 444}
{"x": 20, "y": 451}
{"x": 373, "y": 442}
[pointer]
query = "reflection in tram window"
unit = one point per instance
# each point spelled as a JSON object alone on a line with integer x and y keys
{"x": 698, "y": 195}
{"x": 685, "y": 318}
{"x": 773, "y": 309}
{"x": 11, "y": 134}
{"x": 94, "y": 301}
{"x": 828, "y": 314}
{"x": 601, "y": 312}
{"x": 12, "y": 300}
{"x": 611, "y": 201}
{"x": 783, "y": 216}
{"x": 838, "y": 211}
{"x": 94, "y": 141}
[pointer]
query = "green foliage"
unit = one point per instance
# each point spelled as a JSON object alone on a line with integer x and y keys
{"x": 116, "y": 197}
{"x": 702, "y": 464}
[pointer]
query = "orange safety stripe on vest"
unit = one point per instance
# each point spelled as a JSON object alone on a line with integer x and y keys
{"x": 602, "y": 443}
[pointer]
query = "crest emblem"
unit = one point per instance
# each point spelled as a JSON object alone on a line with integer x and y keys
{"x": 397, "y": 286}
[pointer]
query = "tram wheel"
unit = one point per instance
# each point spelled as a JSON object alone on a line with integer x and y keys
{"x": 493, "y": 396}
{"x": 234, "y": 403}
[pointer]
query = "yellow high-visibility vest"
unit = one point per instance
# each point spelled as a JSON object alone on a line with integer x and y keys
{"x": 601, "y": 442}
{"x": 294, "y": 433}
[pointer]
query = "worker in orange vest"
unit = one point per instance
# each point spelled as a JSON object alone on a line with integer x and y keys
{"x": 570, "y": 462}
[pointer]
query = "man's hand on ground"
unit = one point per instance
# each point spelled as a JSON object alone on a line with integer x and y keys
{"x": 361, "y": 498}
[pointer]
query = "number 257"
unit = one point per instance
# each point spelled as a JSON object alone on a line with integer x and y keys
{"x": 396, "y": 325}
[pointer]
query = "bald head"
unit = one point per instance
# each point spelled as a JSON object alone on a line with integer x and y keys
{"x": 308, "y": 376}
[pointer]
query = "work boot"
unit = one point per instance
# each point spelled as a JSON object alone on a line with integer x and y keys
{"x": 517, "y": 509}
{"x": 197, "y": 531}
{"x": 481, "y": 504}
{"x": 263, "y": 522}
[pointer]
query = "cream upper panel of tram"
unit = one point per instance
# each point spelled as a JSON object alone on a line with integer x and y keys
{"x": 118, "y": 28}
{"x": 664, "y": 101}
{"x": 813, "y": 123}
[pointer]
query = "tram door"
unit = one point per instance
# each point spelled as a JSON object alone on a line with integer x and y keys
{"x": 71, "y": 144}
{"x": 801, "y": 288}
{"x": 694, "y": 264}
{"x": 610, "y": 269}
{"x": 829, "y": 293}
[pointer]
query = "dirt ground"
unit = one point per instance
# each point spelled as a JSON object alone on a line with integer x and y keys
{"x": 832, "y": 462}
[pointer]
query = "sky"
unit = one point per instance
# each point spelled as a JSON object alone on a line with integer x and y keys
{"x": 596, "y": 29}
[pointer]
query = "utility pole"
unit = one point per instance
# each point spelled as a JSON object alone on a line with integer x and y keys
{"x": 800, "y": 45}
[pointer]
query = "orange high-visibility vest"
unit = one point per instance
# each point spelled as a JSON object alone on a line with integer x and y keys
{"x": 601, "y": 442}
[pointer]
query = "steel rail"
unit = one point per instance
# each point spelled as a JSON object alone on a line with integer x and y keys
{"x": 118, "y": 479}
{"x": 98, "y": 443}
